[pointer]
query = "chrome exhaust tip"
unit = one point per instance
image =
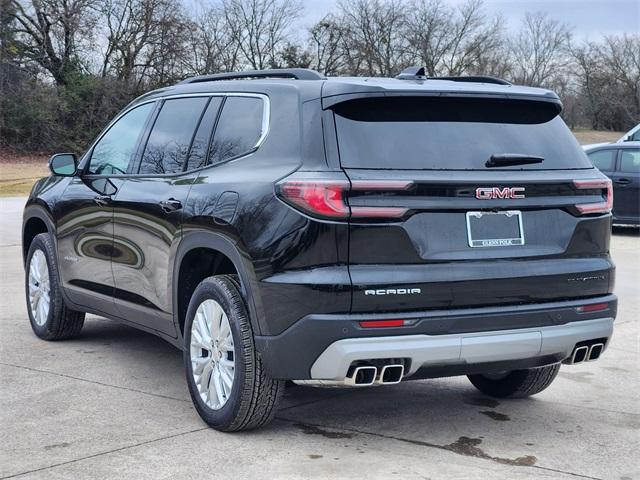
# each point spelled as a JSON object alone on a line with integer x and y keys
{"x": 390, "y": 374}
{"x": 580, "y": 354}
{"x": 595, "y": 351}
{"x": 362, "y": 376}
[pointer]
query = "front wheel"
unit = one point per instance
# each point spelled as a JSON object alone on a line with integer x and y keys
{"x": 226, "y": 378}
{"x": 517, "y": 383}
{"x": 50, "y": 317}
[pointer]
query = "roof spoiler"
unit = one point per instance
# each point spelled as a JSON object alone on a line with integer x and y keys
{"x": 418, "y": 73}
{"x": 293, "y": 73}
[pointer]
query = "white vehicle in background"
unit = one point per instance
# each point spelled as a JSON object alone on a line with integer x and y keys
{"x": 632, "y": 135}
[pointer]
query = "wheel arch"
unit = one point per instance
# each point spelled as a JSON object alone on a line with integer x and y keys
{"x": 35, "y": 221}
{"x": 225, "y": 257}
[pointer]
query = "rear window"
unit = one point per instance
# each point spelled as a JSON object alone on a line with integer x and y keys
{"x": 435, "y": 133}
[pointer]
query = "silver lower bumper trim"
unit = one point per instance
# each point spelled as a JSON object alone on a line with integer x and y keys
{"x": 481, "y": 347}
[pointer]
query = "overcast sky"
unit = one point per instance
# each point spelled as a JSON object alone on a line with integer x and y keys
{"x": 589, "y": 18}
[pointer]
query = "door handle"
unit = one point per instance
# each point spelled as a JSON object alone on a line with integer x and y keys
{"x": 102, "y": 200}
{"x": 171, "y": 205}
{"x": 622, "y": 181}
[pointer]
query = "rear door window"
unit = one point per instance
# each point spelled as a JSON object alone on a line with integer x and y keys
{"x": 453, "y": 133}
{"x": 630, "y": 160}
{"x": 603, "y": 160}
{"x": 238, "y": 130}
{"x": 170, "y": 138}
{"x": 202, "y": 138}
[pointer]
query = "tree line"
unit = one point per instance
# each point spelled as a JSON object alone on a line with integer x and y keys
{"x": 67, "y": 66}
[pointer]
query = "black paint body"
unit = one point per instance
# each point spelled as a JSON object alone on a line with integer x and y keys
{"x": 304, "y": 279}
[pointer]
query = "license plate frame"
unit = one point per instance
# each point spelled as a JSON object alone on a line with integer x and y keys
{"x": 495, "y": 242}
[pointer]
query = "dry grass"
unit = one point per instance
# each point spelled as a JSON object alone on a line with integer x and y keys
{"x": 19, "y": 172}
{"x": 596, "y": 136}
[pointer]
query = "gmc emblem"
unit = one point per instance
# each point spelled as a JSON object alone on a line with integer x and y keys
{"x": 489, "y": 193}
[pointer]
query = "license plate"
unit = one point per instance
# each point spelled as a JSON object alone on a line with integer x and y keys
{"x": 495, "y": 229}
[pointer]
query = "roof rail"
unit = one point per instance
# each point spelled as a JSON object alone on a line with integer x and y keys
{"x": 295, "y": 73}
{"x": 475, "y": 78}
{"x": 418, "y": 73}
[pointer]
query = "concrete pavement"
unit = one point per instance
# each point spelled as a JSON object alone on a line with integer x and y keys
{"x": 114, "y": 403}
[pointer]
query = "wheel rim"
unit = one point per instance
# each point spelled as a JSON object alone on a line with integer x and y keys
{"x": 39, "y": 287}
{"x": 212, "y": 354}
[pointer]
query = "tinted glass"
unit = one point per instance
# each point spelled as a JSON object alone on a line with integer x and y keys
{"x": 635, "y": 137}
{"x": 200, "y": 145}
{"x": 453, "y": 133}
{"x": 170, "y": 138}
{"x": 630, "y": 160}
{"x": 603, "y": 160}
{"x": 238, "y": 130}
{"x": 113, "y": 153}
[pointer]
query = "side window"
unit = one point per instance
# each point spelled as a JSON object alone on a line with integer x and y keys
{"x": 630, "y": 160}
{"x": 114, "y": 151}
{"x": 636, "y": 136}
{"x": 198, "y": 152}
{"x": 238, "y": 130}
{"x": 168, "y": 144}
{"x": 603, "y": 159}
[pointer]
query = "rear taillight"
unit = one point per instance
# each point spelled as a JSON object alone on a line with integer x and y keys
{"x": 321, "y": 198}
{"x": 328, "y": 198}
{"x": 595, "y": 207}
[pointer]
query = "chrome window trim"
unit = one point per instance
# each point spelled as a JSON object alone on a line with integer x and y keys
{"x": 266, "y": 117}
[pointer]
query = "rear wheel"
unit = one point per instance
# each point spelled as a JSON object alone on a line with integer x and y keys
{"x": 517, "y": 383}
{"x": 226, "y": 379}
{"x": 50, "y": 318}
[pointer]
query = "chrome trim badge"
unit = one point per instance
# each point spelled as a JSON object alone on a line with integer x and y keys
{"x": 490, "y": 193}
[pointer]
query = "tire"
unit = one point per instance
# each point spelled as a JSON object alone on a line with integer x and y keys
{"x": 252, "y": 399}
{"x": 518, "y": 383}
{"x": 52, "y": 321}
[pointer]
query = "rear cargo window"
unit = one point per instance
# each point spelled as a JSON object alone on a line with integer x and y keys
{"x": 436, "y": 133}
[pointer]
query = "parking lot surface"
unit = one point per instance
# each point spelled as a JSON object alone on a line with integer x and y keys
{"x": 114, "y": 403}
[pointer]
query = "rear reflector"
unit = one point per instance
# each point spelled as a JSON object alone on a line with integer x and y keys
{"x": 594, "y": 307}
{"x": 382, "y": 323}
{"x": 595, "y": 207}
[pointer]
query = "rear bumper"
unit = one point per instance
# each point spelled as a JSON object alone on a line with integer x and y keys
{"x": 443, "y": 342}
{"x": 421, "y": 351}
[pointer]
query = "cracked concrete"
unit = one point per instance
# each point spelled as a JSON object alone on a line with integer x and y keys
{"x": 113, "y": 403}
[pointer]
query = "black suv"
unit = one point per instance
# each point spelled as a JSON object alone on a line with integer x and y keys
{"x": 280, "y": 225}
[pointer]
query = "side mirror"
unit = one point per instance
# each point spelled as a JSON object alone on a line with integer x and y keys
{"x": 63, "y": 164}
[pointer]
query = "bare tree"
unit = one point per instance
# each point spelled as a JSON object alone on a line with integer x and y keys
{"x": 50, "y": 31}
{"x": 141, "y": 38}
{"x": 261, "y": 28}
{"x": 374, "y": 41}
{"x": 326, "y": 41}
{"x": 539, "y": 50}
{"x": 452, "y": 41}
{"x": 211, "y": 43}
{"x": 621, "y": 57}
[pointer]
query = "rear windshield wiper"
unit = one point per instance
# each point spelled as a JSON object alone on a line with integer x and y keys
{"x": 506, "y": 159}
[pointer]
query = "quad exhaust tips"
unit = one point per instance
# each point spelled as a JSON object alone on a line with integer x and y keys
{"x": 390, "y": 374}
{"x": 586, "y": 353}
{"x": 363, "y": 376}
